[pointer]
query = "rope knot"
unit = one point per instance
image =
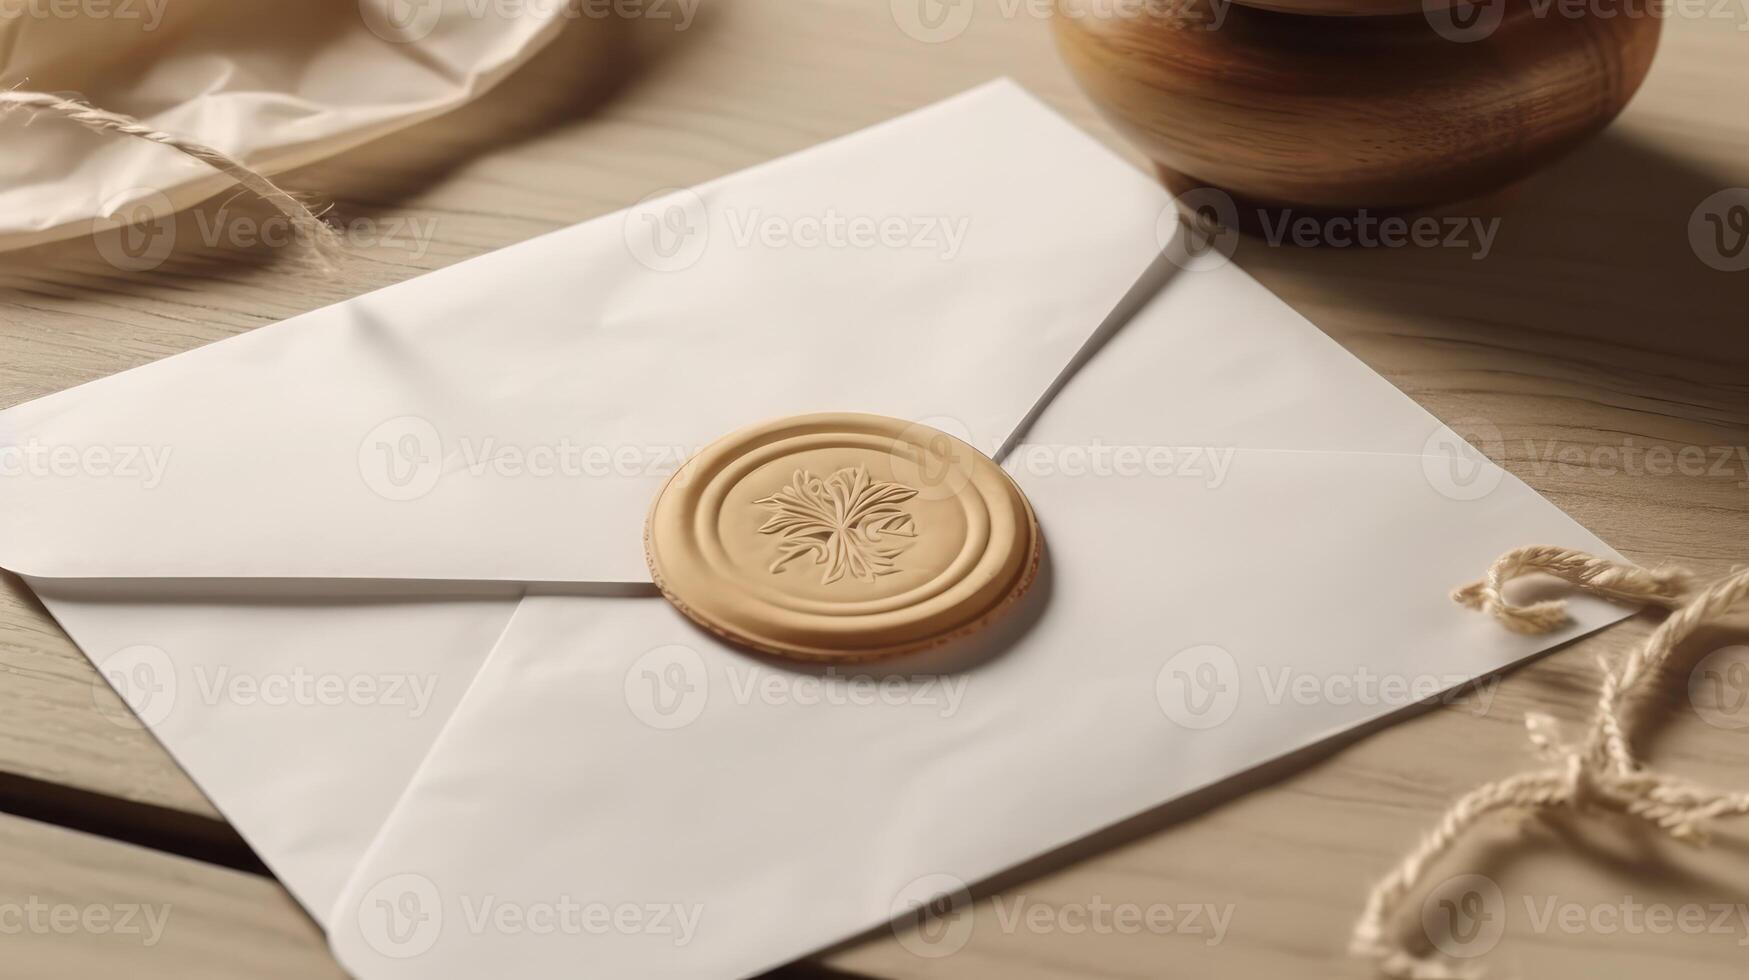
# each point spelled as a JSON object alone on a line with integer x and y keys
{"x": 1597, "y": 771}
{"x": 1579, "y": 783}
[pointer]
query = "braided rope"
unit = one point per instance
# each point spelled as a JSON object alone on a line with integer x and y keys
{"x": 1597, "y": 772}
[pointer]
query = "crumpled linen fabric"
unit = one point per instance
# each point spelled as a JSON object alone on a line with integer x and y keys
{"x": 275, "y": 85}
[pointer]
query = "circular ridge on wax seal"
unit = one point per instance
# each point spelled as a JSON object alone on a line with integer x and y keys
{"x": 841, "y": 537}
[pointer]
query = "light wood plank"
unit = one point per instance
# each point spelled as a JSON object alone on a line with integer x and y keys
{"x": 59, "y": 720}
{"x": 75, "y": 907}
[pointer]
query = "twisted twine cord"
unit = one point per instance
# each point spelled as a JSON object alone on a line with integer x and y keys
{"x": 305, "y": 221}
{"x": 1598, "y": 772}
{"x": 1598, "y": 576}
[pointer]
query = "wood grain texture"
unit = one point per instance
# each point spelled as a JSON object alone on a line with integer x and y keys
{"x": 1590, "y": 325}
{"x": 74, "y": 907}
{"x": 1374, "y": 112}
{"x": 1336, "y": 8}
{"x": 51, "y": 695}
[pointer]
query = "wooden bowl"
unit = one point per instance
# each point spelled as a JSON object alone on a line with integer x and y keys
{"x": 1337, "y": 113}
{"x": 1340, "y": 8}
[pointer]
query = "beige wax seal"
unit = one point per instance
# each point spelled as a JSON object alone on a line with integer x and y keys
{"x": 841, "y": 537}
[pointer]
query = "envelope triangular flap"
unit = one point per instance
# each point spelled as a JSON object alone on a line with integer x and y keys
{"x": 510, "y": 417}
{"x": 1226, "y": 366}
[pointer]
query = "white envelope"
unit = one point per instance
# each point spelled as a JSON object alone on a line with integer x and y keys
{"x": 621, "y": 795}
{"x": 359, "y": 495}
{"x": 379, "y": 492}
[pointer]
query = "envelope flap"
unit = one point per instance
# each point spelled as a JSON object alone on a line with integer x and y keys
{"x": 1237, "y": 369}
{"x": 510, "y": 417}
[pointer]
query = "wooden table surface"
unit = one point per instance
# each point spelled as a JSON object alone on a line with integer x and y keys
{"x": 1593, "y": 333}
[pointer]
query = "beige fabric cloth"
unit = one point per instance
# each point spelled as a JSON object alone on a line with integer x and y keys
{"x": 276, "y": 85}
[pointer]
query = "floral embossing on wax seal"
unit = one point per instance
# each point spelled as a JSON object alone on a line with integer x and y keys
{"x": 841, "y": 537}
{"x": 844, "y": 521}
